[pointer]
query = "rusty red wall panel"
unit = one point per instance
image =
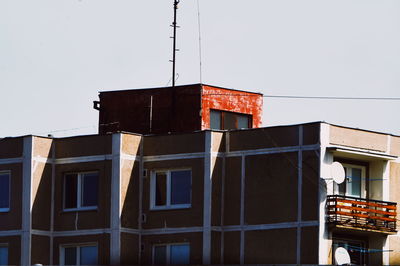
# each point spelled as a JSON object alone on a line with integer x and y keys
{"x": 230, "y": 100}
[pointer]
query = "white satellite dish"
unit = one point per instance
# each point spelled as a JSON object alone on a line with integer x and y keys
{"x": 342, "y": 257}
{"x": 337, "y": 172}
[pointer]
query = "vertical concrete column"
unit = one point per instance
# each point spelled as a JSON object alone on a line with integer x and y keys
{"x": 27, "y": 200}
{"x": 324, "y": 188}
{"x": 115, "y": 239}
{"x": 207, "y": 198}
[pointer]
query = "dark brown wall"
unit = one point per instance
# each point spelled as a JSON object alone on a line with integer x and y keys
{"x": 103, "y": 243}
{"x": 310, "y": 188}
{"x": 271, "y": 188}
{"x": 277, "y": 246}
{"x": 41, "y": 207}
{"x": 129, "y": 249}
{"x": 173, "y": 144}
{"x": 40, "y": 250}
{"x": 232, "y": 248}
{"x": 215, "y": 247}
{"x": 181, "y": 217}
{"x": 12, "y": 220}
{"x": 99, "y": 218}
{"x": 194, "y": 239}
{"x": 216, "y": 195}
{"x": 129, "y": 110}
{"x": 14, "y": 248}
{"x": 309, "y": 245}
{"x": 232, "y": 191}
{"x": 11, "y": 147}
{"x": 264, "y": 138}
{"x": 311, "y": 133}
{"x": 83, "y": 146}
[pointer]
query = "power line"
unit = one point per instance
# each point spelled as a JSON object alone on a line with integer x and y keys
{"x": 309, "y": 97}
{"x": 332, "y": 97}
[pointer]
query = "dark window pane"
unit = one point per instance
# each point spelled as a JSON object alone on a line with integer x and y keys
{"x": 88, "y": 255}
{"x": 4, "y": 190}
{"x": 161, "y": 189}
{"x": 70, "y": 190}
{"x": 357, "y": 257}
{"x": 70, "y": 256}
{"x": 215, "y": 119}
{"x": 180, "y": 187}
{"x": 355, "y": 182}
{"x": 230, "y": 120}
{"x": 180, "y": 254}
{"x": 160, "y": 255}
{"x": 243, "y": 121}
{"x": 89, "y": 189}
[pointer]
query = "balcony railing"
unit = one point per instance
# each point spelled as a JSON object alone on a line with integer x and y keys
{"x": 358, "y": 213}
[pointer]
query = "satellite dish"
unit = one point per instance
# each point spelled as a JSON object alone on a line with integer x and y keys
{"x": 342, "y": 257}
{"x": 337, "y": 172}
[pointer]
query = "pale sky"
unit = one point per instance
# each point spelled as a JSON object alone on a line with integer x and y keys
{"x": 55, "y": 56}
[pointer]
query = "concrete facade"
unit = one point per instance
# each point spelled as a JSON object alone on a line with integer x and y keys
{"x": 258, "y": 196}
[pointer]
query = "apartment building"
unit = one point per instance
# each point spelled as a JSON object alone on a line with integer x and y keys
{"x": 208, "y": 196}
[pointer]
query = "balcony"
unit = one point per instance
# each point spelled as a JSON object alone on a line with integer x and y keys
{"x": 362, "y": 214}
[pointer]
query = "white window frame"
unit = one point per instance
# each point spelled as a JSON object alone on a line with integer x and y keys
{"x": 5, "y": 245}
{"x": 9, "y": 191}
{"x": 168, "y": 250}
{"x": 79, "y": 206}
{"x": 168, "y": 204}
{"x": 348, "y": 168}
{"x": 78, "y": 252}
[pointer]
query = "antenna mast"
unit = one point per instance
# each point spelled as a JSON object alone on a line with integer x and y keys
{"x": 176, "y": 2}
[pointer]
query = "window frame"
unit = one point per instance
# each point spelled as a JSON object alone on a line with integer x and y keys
{"x": 79, "y": 189}
{"x": 223, "y": 113}
{"x": 9, "y": 191}
{"x": 77, "y": 246}
{"x": 363, "y": 181}
{"x": 5, "y": 245}
{"x": 168, "y": 250}
{"x": 168, "y": 204}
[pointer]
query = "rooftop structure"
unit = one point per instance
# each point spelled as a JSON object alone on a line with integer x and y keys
{"x": 184, "y": 108}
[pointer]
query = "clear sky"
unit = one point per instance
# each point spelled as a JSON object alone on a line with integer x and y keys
{"x": 55, "y": 56}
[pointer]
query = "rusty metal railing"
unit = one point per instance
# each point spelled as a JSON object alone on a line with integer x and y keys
{"x": 361, "y": 213}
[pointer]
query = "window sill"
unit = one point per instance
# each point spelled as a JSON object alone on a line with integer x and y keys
{"x": 172, "y": 207}
{"x": 4, "y": 209}
{"x": 94, "y": 208}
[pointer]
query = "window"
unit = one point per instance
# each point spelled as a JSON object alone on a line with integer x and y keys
{"x": 5, "y": 191}
{"x": 170, "y": 189}
{"x": 79, "y": 255}
{"x": 81, "y": 191}
{"x": 355, "y": 248}
{"x": 3, "y": 255}
{"x": 171, "y": 254}
{"x": 229, "y": 120}
{"x": 354, "y": 184}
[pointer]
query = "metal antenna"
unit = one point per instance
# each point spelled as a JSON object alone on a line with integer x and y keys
{"x": 176, "y": 2}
